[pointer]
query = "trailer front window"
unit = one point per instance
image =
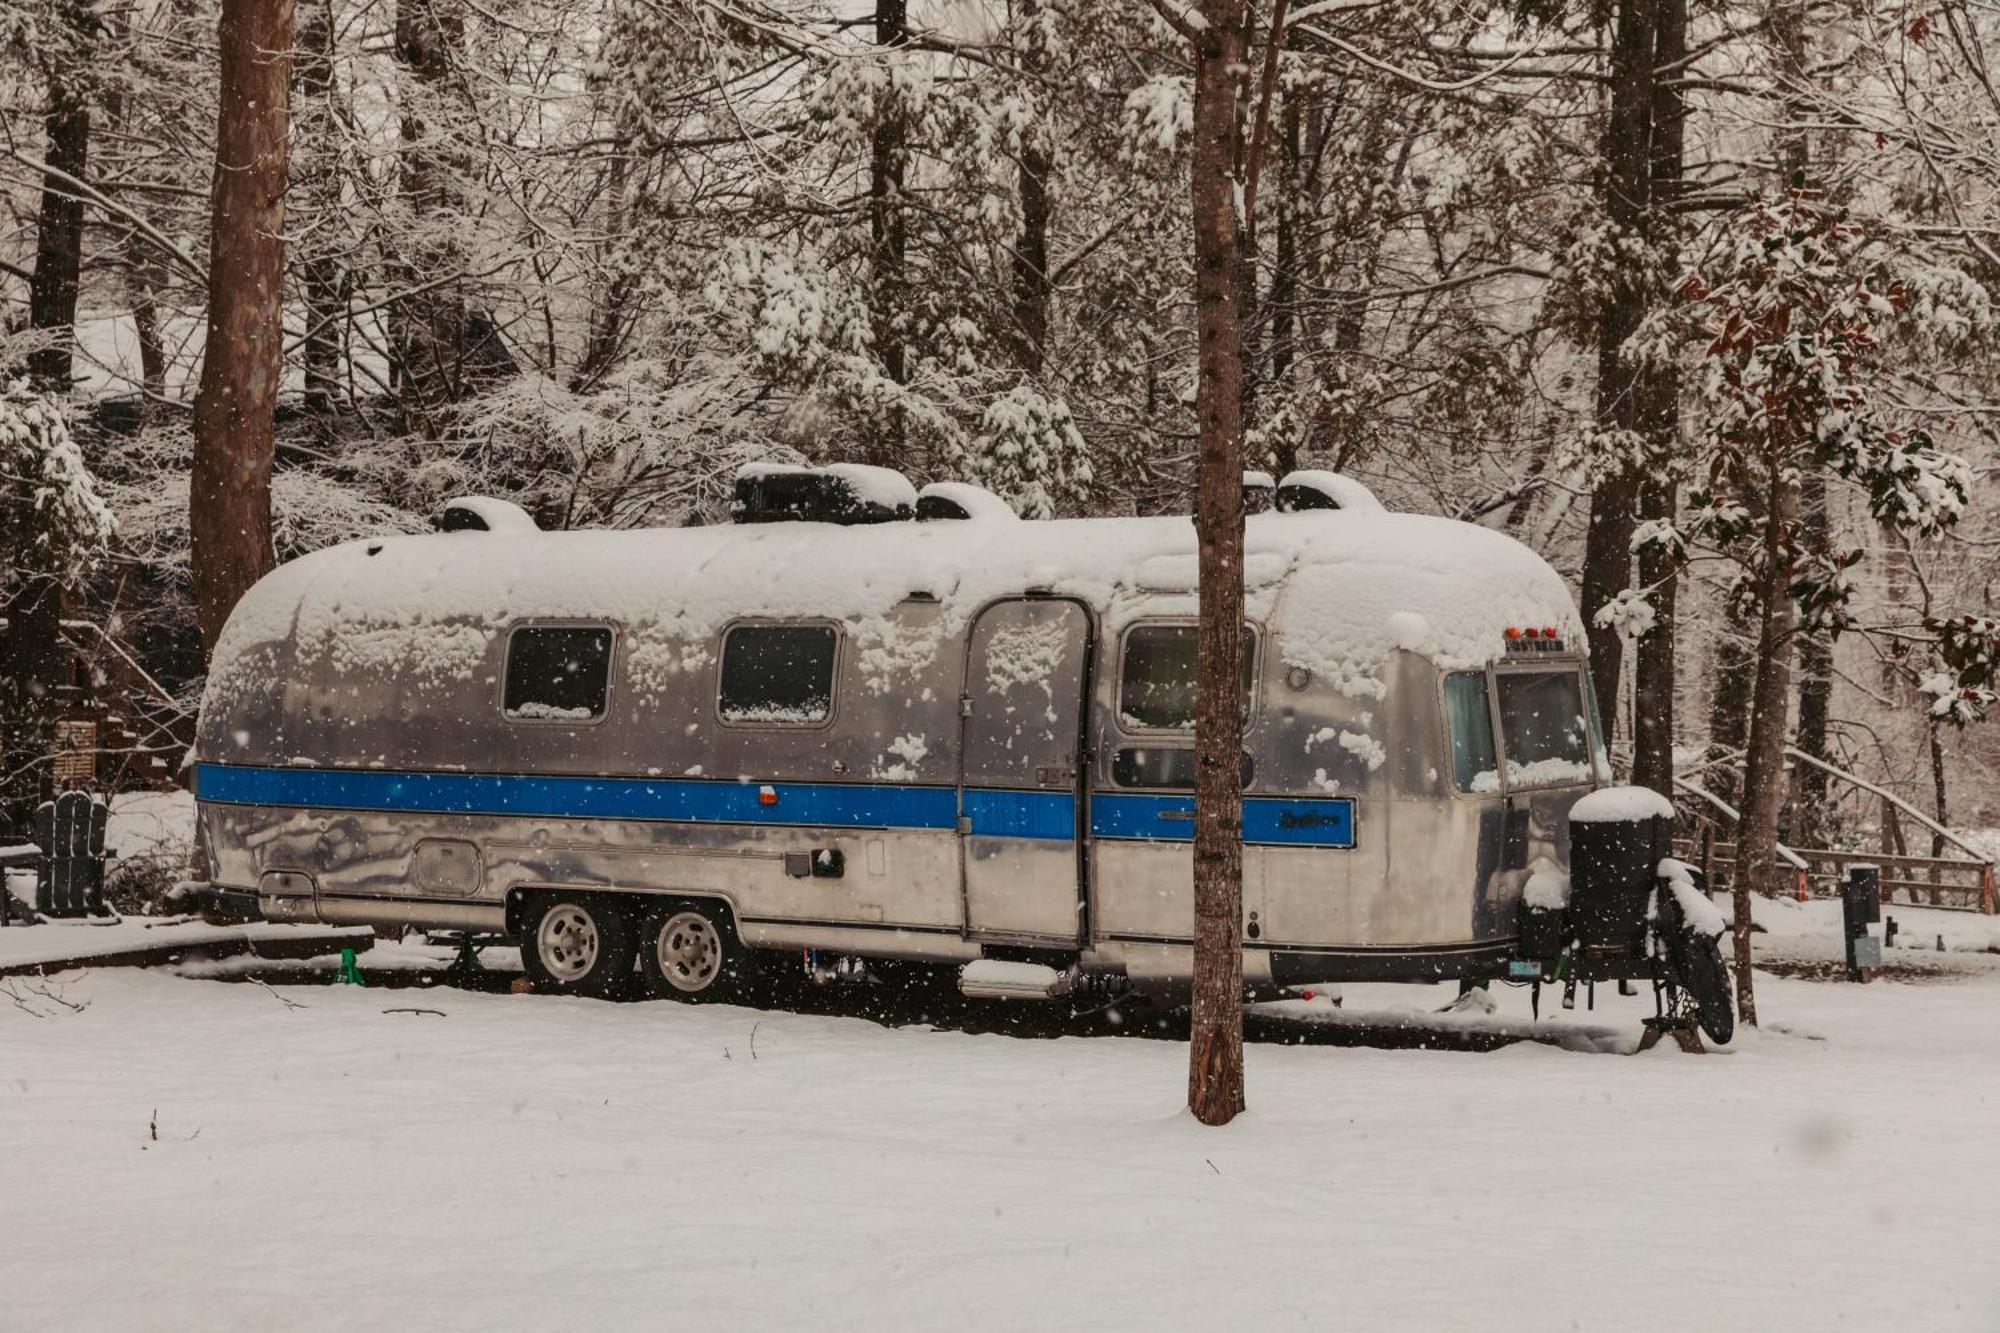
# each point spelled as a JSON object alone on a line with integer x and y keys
{"x": 1543, "y": 731}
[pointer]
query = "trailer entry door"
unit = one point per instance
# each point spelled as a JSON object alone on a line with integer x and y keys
{"x": 1021, "y": 788}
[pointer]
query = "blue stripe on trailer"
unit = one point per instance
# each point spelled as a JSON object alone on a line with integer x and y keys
{"x": 1268, "y": 820}
{"x": 1020, "y": 814}
{"x": 1283, "y": 821}
{"x": 824, "y": 804}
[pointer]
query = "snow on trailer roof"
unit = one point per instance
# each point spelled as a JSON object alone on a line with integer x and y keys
{"x": 1339, "y": 590}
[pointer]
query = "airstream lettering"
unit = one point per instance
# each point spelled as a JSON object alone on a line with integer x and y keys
{"x": 927, "y": 730}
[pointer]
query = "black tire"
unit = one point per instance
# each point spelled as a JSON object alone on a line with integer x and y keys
{"x": 688, "y": 950}
{"x": 576, "y": 944}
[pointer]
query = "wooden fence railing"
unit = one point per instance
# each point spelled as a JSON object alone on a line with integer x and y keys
{"x": 1927, "y": 881}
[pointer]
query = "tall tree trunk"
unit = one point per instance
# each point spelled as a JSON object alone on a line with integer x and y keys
{"x": 1627, "y": 154}
{"x": 428, "y": 328}
{"x": 610, "y": 315}
{"x": 145, "y": 267}
{"x": 1764, "y": 767}
{"x": 1653, "y": 672}
{"x": 145, "y": 279}
{"x": 1215, "y": 1057}
{"x": 1793, "y": 40}
{"x": 1941, "y": 807}
{"x": 1031, "y": 252}
{"x": 318, "y": 191}
{"x": 1809, "y": 808}
{"x": 1733, "y": 675}
{"x": 1284, "y": 275}
{"x": 31, "y": 655}
{"x": 230, "y": 496}
{"x": 52, "y": 290}
{"x": 887, "y": 153}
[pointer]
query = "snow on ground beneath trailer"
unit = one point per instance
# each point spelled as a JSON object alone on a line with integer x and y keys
{"x": 186, "y": 1153}
{"x": 426, "y": 609}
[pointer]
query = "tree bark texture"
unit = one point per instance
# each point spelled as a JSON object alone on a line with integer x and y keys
{"x": 1764, "y": 766}
{"x": 318, "y": 191}
{"x": 242, "y": 360}
{"x": 428, "y": 329}
{"x": 31, "y": 655}
{"x": 1215, "y": 1057}
{"x": 1284, "y": 273}
{"x": 1654, "y": 673}
{"x": 1731, "y": 679}
{"x": 1627, "y": 161}
{"x": 611, "y": 314}
{"x": 887, "y": 232}
{"x": 1810, "y": 811}
{"x": 1792, "y": 39}
{"x": 59, "y": 225}
{"x": 1031, "y": 252}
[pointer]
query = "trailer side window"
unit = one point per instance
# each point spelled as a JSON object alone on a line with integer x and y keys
{"x": 1469, "y": 722}
{"x": 1156, "y": 676}
{"x": 777, "y": 674}
{"x": 557, "y": 673}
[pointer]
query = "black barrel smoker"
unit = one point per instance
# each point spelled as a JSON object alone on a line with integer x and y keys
{"x": 1623, "y": 919}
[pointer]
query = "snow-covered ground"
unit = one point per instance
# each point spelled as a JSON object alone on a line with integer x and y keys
{"x": 517, "y": 1161}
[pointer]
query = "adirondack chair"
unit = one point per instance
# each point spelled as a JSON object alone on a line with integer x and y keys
{"x": 70, "y": 880}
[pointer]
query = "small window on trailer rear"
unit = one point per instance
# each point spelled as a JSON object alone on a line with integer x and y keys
{"x": 557, "y": 673}
{"x": 777, "y": 675}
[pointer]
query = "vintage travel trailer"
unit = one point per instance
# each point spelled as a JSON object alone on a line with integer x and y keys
{"x": 917, "y": 728}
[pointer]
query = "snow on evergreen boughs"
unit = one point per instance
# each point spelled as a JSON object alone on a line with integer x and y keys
{"x": 1159, "y": 114}
{"x": 1029, "y": 451}
{"x": 53, "y": 522}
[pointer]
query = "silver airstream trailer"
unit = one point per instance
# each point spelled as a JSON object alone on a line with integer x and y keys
{"x": 948, "y": 735}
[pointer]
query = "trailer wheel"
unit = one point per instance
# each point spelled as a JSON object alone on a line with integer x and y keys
{"x": 689, "y": 951}
{"x": 575, "y": 945}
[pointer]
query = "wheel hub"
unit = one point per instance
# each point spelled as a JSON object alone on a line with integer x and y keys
{"x": 568, "y": 942}
{"x": 689, "y": 949}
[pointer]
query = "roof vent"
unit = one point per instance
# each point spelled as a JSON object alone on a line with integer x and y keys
{"x": 1312, "y": 489}
{"x": 1258, "y": 491}
{"x": 960, "y": 499}
{"x": 482, "y": 513}
{"x": 846, "y": 493}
